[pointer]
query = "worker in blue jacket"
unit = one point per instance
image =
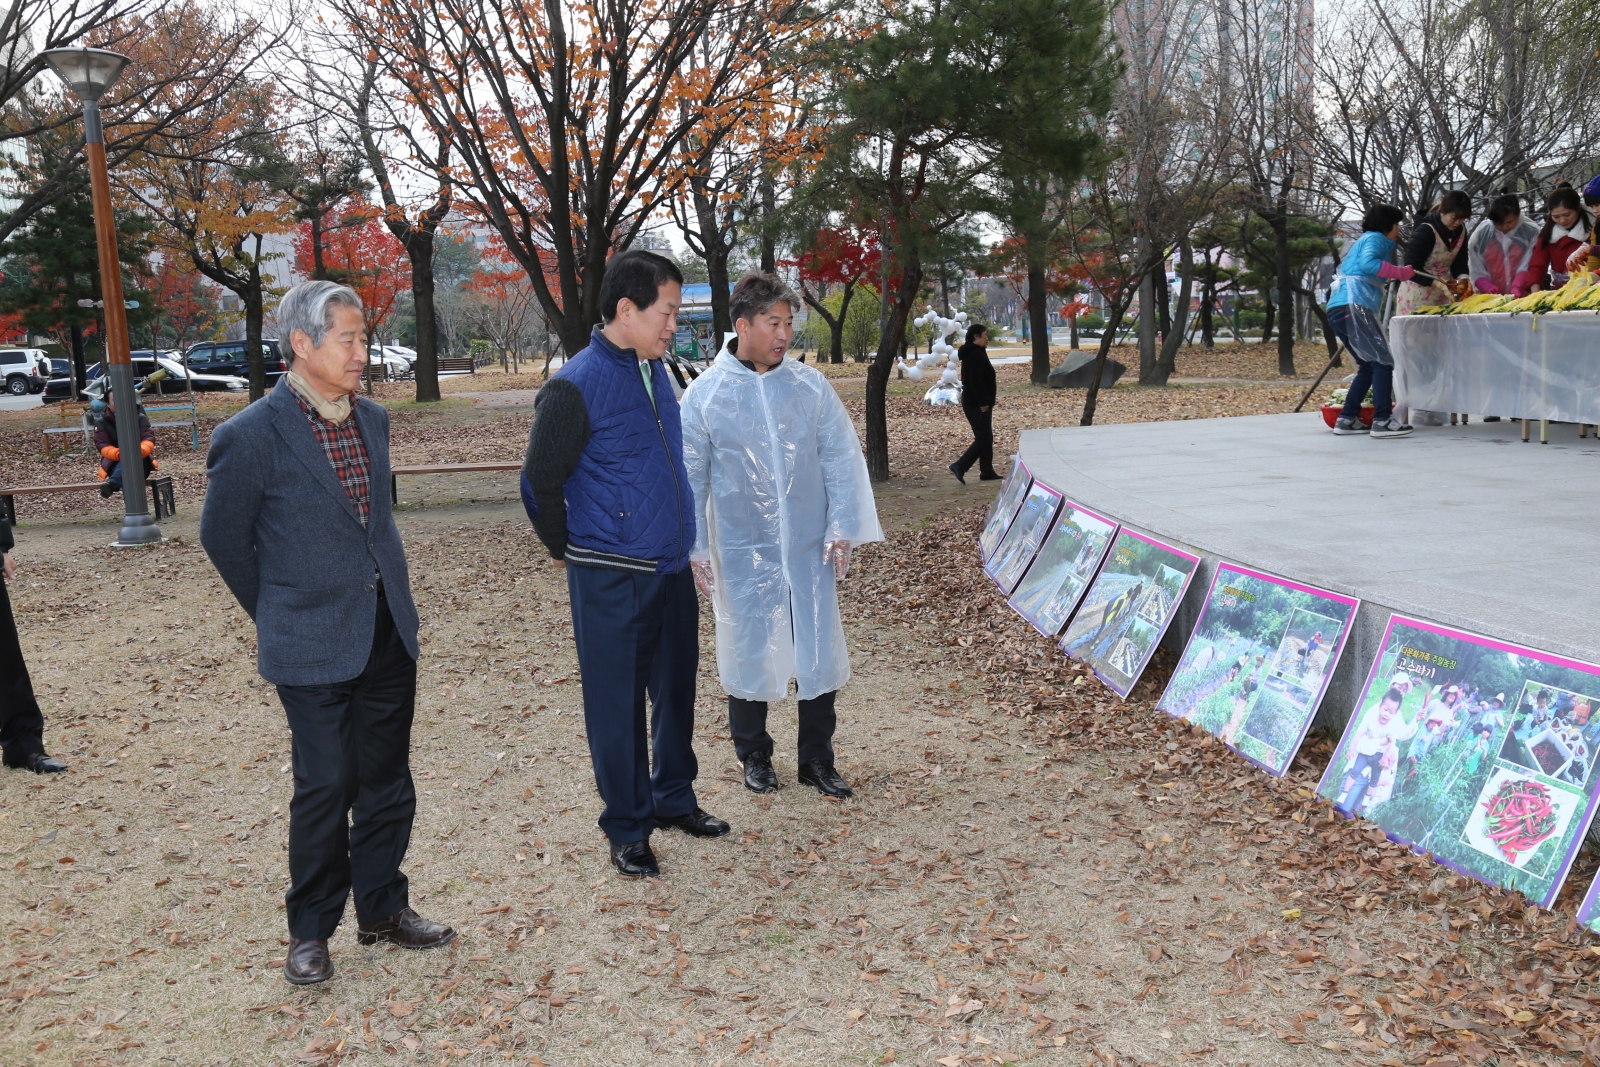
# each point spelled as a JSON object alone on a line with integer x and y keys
{"x": 1353, "y": 306}
{"x": 605, "y": 486}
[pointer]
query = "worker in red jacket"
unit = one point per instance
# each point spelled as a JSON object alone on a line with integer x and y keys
{"x": 105, "y": 439}
{"x": 1566, "y": 229}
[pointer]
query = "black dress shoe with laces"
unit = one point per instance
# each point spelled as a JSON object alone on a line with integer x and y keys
{"x": 307, "y": 963}
{"x": 696, "y": 824}
{"x": 634, "y": 859}
{"x": 39, "y": 763}
{"x": 407, "y": 929}
{"x": 759, "y": 777}
{"x": 822, "y": 775}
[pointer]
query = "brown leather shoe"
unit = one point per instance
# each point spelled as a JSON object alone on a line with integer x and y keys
{"x": 408, "y": 930}
{"x": 308, "y": 963}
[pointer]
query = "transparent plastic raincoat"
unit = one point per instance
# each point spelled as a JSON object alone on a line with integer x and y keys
{"x": 1494, "y": 259}
{"x": 777, "y": 473}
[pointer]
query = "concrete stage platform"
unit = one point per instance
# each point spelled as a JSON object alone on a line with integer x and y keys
{"x": 1462, "y": 525}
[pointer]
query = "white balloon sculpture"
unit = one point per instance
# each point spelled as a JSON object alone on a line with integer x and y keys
{"x": 941, "y": 350}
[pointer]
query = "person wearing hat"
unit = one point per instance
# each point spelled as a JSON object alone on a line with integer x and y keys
{"x": 106, "y": 443}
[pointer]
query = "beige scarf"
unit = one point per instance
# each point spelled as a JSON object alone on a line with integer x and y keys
{"x": 335, "y": 411}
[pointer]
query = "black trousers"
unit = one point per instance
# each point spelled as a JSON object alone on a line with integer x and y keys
{"x": 981, "y": 451}
{"x": 747, "y": 723}
{"x": 21, "y": 721}
{"x": 638, "y": 635}
{"x": 350, "y": 819}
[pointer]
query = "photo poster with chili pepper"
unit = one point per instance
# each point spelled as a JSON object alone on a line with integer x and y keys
{"x": 1128, "y": 607}
{"x": 1005, "y": 506}
{"x": 1258, "y": 663}
{"x": 1022, "y": 541}
{"x": 1478, "y": 751}
{"x": 1049, "y": 593}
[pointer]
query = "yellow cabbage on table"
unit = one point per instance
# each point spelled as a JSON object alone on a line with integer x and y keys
{"x": 1581, "y": 293}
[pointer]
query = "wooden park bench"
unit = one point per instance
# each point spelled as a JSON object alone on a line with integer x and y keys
{"x": 75, "y": 421}
{"x": 442, "y": 468}
{"x": 461, "y": 365}
{"x": 163, "y": 502}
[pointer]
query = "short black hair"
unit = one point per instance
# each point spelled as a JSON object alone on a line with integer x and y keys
{"x": 1381, "y": 218}
{"x": 1504, "y": 206}
{"x": 975, "y": 331}
{"x": 637, "y": 275}
{"x": 1455, "y": 202}
{"x": 757, "y": 292}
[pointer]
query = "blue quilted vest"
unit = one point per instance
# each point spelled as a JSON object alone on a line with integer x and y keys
{"x": 630, "y": 494}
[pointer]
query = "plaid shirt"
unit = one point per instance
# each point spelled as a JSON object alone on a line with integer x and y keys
{"x": 346, "y": 451}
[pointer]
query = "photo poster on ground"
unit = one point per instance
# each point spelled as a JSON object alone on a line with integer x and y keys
{"x": 1063, "y": 569}
{"x": 1005, "y": 506}
{"x": 1022, "y": 541}
{"x": 1128, "y": 607}
{"x": 1589, "y": 911}
{"x": 1258, "y": 663}
{"x": 1478, "y": 751}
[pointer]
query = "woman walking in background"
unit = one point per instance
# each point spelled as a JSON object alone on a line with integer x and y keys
{"x": 977, "y": 404}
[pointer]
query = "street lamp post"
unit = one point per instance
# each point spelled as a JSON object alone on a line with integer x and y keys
{"x": 89, "y": 72}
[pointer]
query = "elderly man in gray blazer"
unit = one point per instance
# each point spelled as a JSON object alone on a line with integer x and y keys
{"x": 297, "y": 521}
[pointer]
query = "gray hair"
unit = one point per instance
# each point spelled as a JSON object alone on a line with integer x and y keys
{"x": 756, "y": 292}
{"x": 308, "y": 307}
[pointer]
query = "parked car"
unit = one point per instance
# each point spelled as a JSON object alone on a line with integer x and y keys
{"x": 144, "y": 365}
{"x": 228, "y": 358}
{"x": 386, "y": 363}
{"x": 24, "y": 370}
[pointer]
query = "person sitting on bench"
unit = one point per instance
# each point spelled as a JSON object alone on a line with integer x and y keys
{"x": 105, "y": 440}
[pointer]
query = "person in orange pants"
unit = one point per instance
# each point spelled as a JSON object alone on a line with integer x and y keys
{"x": 105, "y": 440}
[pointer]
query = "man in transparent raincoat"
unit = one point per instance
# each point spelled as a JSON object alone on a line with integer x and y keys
{"x": 781, "y": 497}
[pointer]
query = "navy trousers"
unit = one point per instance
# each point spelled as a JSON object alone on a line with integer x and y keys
{"x": 638, "y": 635}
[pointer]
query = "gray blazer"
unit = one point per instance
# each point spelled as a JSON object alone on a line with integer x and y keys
{"x": 282, "y": 532}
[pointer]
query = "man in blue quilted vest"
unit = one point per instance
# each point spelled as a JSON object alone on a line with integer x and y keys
{"x": 605, "y": 486}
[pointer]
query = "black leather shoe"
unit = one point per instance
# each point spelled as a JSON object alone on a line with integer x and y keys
{"x": 307, "y": 963}
{"x": 408, "y": 930}
{"x": 107, "y": 491}
{"x": 696, "y": 824}
{"x": 990, "y": 477}
{"x": 39, "y": 763}
{"x": 759, "y": 777}
{"x": 822, "y": 775}
{"x": 634, "y": 860}
{"x": 959, "y": 473}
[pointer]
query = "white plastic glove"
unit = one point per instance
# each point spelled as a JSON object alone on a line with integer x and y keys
{"x": 702, "y": 576}
{"x": 838, "y": 553}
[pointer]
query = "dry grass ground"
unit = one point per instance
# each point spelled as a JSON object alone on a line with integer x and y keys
{"x": 1031, "y": 869}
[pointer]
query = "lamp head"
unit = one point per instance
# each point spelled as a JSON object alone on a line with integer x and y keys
{"x": 89, "y": 72}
